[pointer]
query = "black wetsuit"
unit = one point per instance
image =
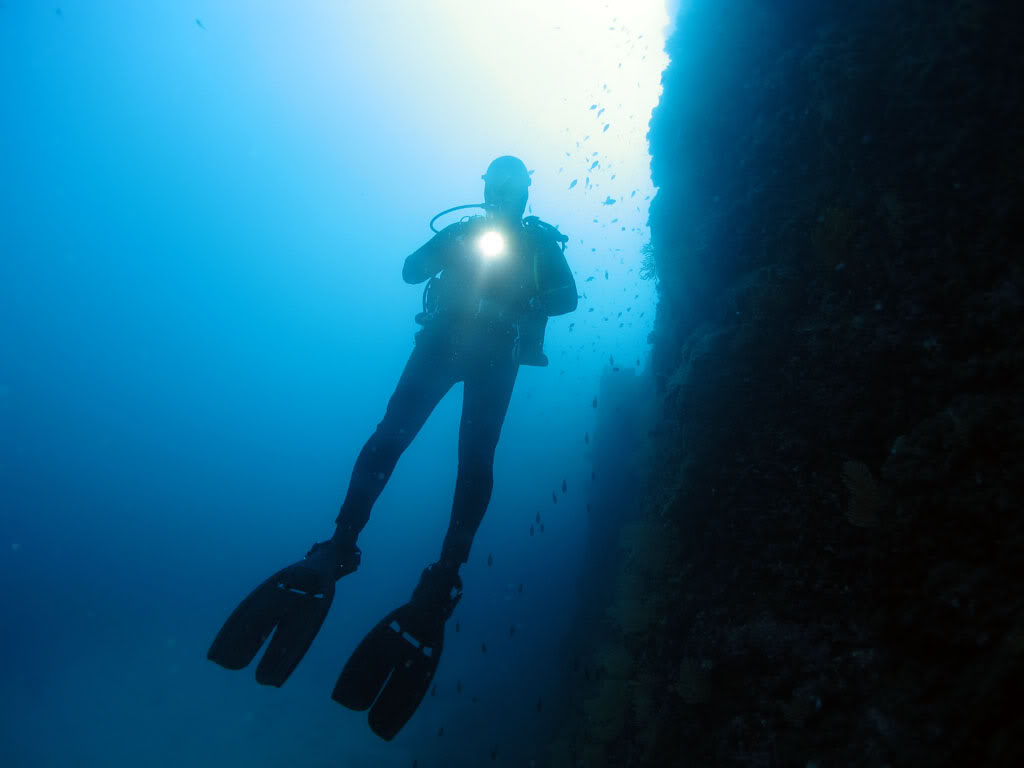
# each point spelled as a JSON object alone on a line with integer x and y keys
{"x": 472, "y": 337}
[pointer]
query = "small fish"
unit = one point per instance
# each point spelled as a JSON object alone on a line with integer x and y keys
{"x": 474, "y": 699}
{"x": 554, "y": 498}
{"x": 520, "y": 588}
{"x": 611, "y": 360}
{"x": 490, "y": 560}
{"x": 589, "y": 279}
{"x": 586, "y": 438}
{"x": 606, "y": 127}
{"x": 531, "y": 530}
{"x": 594, "y": 404}
{"x": 594, "y": 165}
{"x": 512, "y": 630}
{"x": 593, "y": 106}
{"x": 433, "y": 690}
{"x": 564, "y": 486}
{"x": 608, "y": 201}
{"x": 458, "y": 686}
{"x": 542, "y": 527}
{"x": 483, "y": 647}
{"x": 600, "y": 111}
{"x": 573, "y": 183}
{"x": 440, "y": 731}
{"x": 199, "y": 23}
{"x": 606, "y": 274}
{"x": 538, "y": 517}
{"x": 571, "y": 326}
{"x": 456, "y": 626}
{"x": 540, "y": 704}
{"x": 494, "y": 754}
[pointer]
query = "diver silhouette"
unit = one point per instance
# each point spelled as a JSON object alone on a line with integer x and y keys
{"x": 492, "y": 282}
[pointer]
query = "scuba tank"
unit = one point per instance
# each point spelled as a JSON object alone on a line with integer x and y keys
{"x": 534, "y": 324}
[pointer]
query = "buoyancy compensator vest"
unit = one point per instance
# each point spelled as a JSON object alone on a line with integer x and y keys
{"x": 531, "y": 324}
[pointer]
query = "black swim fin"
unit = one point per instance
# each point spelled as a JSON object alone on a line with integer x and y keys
{"x": 390, "y": 671}
{"x": 295, "y": 600}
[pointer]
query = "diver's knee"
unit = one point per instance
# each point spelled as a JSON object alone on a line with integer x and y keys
{"x": 389, "y": 440}
{"x": 476, "y": 469}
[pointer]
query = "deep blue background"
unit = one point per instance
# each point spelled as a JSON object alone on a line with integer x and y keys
{"x": 201, "y": 321}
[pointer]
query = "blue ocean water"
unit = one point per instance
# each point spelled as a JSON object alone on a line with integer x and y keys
{"x": 203, "y": 219}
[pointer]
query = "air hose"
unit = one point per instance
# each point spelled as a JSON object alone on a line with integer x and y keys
{"x": 485, "y": 206}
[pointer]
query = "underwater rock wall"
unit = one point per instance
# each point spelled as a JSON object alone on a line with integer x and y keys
{"x": 826, "y": 569}
{"x": 619, "y": 461}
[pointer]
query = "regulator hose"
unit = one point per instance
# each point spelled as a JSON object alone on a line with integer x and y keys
{"x": 485, "y": 206}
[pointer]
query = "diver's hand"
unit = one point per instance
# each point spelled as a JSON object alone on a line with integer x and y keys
{"x": 433, "y": 256}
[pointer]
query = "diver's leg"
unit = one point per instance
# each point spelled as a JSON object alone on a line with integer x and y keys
{"x": 293, "y": 603}
{"x": 426, "y": 379}
{"x": 488, "y": 391}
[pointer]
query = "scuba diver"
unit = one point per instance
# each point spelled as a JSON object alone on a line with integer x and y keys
{"x": 492, "y": 282}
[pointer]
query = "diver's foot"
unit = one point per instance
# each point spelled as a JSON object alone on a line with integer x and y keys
{"x": 392, "y": 668}
{"x": 289, "y": 608}
{"x": 345, "y": 555}
{"x": 439, "y": 589}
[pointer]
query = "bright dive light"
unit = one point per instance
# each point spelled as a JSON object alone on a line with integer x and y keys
{"x": 491, "y": 244}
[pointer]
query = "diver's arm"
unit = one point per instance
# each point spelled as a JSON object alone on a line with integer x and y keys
{"x": 431, "y": 257}
{"x": 558, "y": 296}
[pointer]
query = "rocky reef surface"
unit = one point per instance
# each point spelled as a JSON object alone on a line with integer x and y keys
{"x": 823, "y": 566}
